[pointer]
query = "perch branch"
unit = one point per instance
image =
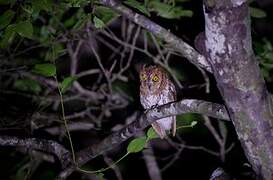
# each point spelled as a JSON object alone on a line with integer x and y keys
{"x": 181, "y": 107}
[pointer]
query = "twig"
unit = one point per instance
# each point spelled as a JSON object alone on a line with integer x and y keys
{"x": 73, "y": 57}
{"x": 215, "y": 134}
{"x": 127, "y": 44}
{"x": 73, "y": 69}
{"x": 105, "y": 73}
{"x": 87, "y": 73}
{"x": 151, "y": 164}
{"x": 113, "y": 166}
{"x": 165, "y": 65}
{"x": 176, "y": 156}
{"x": 127, "y": 65}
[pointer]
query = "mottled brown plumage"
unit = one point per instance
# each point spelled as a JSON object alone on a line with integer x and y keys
{"x": 156, "y": 88}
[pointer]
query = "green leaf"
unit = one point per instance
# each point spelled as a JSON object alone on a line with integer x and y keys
{"x": 55, "y": 51}
{"x": 98, "y": 23}
{"x": 185, "y": 122}
{"x": 45, "y": 69}
{"x": 6, "y": 2}
{"x": 70, "y": 21}
{"x": 24, "y": 29}
{"x": 105, "y": 14}
{"x": 257, "y": 13}
{"x": 67, "y": 82}
{"x": 193, "y": 123}
{"x": 267, "y": 45}
{"x": 6, "y": 18}
{"x": 82, "y": 19}
{"x": 151, "y": 134}
{"x": 100, "y": 176}
{"x": 8, "y": 36}
{"x": 168, "y": 11}
{"x": 39, "y": 5}
{"x": 269, "y": 56}
{"x": 139, "y": 6}
{"x": 136, "y": 145}
{"x": 27, "y": 85}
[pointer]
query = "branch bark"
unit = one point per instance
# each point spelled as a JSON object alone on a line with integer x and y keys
{"x": 181, "y": 107}
{"x": 229, "y": 50}
{"x": 47, "y": 146}
{"x": 177, "y": 43}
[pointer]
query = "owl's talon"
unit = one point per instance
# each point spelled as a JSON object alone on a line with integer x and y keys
{"x": 154, "y": 106}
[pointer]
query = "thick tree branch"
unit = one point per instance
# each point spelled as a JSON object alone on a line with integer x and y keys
{"x": 47, "y": 146}
{"x": 185, "y": 49}
{"x": 181, "y": 107}
{"x": 229, "y": 48}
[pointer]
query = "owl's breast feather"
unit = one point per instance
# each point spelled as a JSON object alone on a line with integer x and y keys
{"x": 152, "y": 100}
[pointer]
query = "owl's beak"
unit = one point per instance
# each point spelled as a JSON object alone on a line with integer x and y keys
{"x": 149, "y": 86}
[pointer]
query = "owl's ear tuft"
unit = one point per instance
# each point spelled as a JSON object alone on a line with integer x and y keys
{"x": 143, "y": 66}
{"x": 139, "y": 67}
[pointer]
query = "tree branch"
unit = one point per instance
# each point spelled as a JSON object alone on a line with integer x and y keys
{"x": 238, "y": 76}
{"x": 185, "y": 49}
{"x": 48, "y": 146}
{"x": 181, "y": 107}
{"x": 151, "y": 164}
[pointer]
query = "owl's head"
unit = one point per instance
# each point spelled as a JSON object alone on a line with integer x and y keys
{"x": 152, "y": 78}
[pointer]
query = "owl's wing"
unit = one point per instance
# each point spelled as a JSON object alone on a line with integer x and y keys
{"x": 173, "y": 125}
{"x": 172, "y": 97}
{"x": 172, "y": 90}
{"x": 144, "y": 102}
{"x": 158, "y": 129}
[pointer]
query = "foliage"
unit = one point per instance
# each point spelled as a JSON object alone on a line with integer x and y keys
{"x": 264, "y": 50}
{"x": 28, "y": 85}
{"x": 257, "y": 13}
{"x": 167, "y": 10}
{"x": 67, "y": 83}
{"x": 45, "y": 69}
{"x": 136, "y": 145}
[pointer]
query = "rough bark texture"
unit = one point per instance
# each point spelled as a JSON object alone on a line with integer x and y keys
{"x": 229, "y": 50}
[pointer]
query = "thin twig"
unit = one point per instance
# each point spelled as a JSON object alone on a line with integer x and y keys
{"x": 216, "y": 136}
{"x": 113, "y": 166}
{"x": 151, "y": 164}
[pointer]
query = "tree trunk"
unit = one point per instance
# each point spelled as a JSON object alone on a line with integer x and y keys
{"x": 229, "y": 50}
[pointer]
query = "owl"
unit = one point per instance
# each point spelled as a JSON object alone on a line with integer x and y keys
{"x": 156, "y": 88}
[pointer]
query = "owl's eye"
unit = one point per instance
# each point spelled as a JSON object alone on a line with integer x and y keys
{"x": 155, "y": 78}
{"x": 143, "y": 77}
